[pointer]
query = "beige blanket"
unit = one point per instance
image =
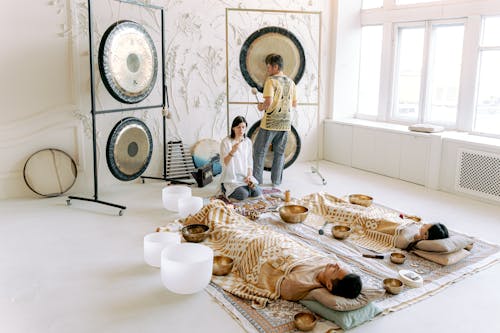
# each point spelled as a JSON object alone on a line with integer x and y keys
{"x": 374, "y": 227}
{"x": 262, "y": 256}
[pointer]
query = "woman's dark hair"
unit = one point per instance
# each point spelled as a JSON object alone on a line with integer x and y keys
{"x": 349, "y": 287}
{"x": 274, "y": 59}
{"x": 236, "y": 121}
{"x": 437, "y": 231}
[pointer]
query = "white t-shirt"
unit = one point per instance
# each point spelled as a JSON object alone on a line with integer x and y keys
{"x": 234, "y": 173}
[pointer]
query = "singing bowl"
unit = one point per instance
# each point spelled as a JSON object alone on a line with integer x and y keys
{"x": 195, "y": 233}
{"x": 304, "y": 321}
{"x": 397, "y": 258}
{"x": 360, "y": 199}
{"x": 393, "y": 286}
{"x": 341, "y": 231}
{"x": 222, "y": 265}
{"x": 293, "y": 213}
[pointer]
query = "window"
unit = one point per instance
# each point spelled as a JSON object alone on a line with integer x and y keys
{"x": 487, "y": 109}
{"x": 427, "y": 73}
{"x": 438, "y": 63}
{"x": 368, "y": 4}
{"x": 408, "y": 73}
{"x": 412, "y": 2}
{"x": 369, "y": 70}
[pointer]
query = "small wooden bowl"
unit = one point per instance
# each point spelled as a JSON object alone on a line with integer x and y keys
{"x": 222, "y": 265}
{"x": 293, "y": 213}
{"x": 304, "y": 321}
{"x": 393, "y": 286}
{"x": 341, "y": 231}
{"x": 195, "y": 233}
{"x": 360, "y": 199}
{"x": 397, "y": 258}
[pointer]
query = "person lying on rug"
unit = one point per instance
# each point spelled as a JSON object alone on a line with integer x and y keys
{"x": 385, "y": 224}
{"x": 237, "y": 181}
{"x": 414, "y": 232}
{"x": 268, "y": 265}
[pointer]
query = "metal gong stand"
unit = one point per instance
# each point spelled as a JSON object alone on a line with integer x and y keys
{"x": 94, "y": 112}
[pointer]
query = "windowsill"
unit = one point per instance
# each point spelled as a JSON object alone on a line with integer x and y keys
{"x": 403, "y": 129}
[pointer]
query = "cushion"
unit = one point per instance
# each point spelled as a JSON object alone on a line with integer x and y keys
{"x": 447, "y": 245}
{"x": 443, "y": 258}
{"x": 345, "y": 319}
{"x": 366, "y": 296}
{"x": 426, "y": 128}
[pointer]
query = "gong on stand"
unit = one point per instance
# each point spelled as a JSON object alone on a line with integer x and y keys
{"x": 128, "y": 66}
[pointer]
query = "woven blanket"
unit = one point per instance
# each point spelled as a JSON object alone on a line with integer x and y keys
{"x": 262, "y": 256}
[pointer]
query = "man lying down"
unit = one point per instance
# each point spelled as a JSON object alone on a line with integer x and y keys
{"x": 269, "y": 265}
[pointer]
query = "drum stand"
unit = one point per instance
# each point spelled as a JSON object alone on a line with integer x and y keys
{"x": 94, "y": 112}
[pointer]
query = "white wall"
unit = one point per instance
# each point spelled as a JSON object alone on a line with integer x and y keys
{"x": 46, "y": 93}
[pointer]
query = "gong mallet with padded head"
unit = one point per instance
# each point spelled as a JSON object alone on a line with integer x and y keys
{"x": 254, "y": 92}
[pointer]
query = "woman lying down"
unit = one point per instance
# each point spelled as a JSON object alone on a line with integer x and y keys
{"x": 269, "y": 265}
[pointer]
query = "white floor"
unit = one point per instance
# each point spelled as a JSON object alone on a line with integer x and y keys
{"x": 80, "y": 268}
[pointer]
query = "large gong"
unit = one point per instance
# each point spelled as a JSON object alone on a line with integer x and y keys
{"x": 292, "y": 148}
{"x": 128, "y": 62}
{"x": 271, "y": 40}
{"x": 129, "y": 149}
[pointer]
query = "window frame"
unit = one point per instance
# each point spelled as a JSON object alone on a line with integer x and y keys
{"x": 471, "y": 11}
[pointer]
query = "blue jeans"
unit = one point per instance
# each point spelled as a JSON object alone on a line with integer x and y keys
{"x": 261, "y": 145}
{"x": 243, "y": 192}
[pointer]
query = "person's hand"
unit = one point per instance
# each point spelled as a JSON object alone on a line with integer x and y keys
{"x": 235, "y": 148}
{"x": 260, "y": 106}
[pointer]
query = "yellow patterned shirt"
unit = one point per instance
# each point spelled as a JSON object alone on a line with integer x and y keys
{"x": 283, "y": 93}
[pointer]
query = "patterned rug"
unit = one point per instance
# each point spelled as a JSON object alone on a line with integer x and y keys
{"x": 277, "y": 317}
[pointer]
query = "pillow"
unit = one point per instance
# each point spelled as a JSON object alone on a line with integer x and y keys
{"x": 345, "y": 319}
{"x": 426, "y": 128}
{"x": 443, "y": 258}
{"x": 447, "y": 245}
{"x": 366, "y": 296}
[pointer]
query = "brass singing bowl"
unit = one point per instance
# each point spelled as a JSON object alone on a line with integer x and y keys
{"x": 393, "y": 286}
{"x": 341, "y": 231}
{"x": 304, "y": 321}
{"x": 397, "y": 258}
{"x": 293, "y": 213}
{"x": 360, "y": 199}
{"x": 222, "y": 265}
{"x": 195, "y": 233}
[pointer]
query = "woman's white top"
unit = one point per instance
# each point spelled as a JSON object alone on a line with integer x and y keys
{"x": 234, "y": 173}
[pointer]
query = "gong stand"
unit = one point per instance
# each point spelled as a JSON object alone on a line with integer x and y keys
{"x": 95, "y": 112}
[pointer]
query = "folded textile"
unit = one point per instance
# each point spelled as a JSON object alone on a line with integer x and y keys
{"x": 445, "y": 245}
{"x": 444, "y": 259}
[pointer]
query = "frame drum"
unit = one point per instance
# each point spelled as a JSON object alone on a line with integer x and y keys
{"x": 271, "y": 40}
{"x": 128, "y": 62}
{"x": 50, "y": 172}
{"x": 292, "y": 148}
{"x": 129, "y": 149}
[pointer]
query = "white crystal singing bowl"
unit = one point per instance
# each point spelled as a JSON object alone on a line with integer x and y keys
{"x": 154, "y": 243}
{"x": 186, "y": 268}
{"x": 189, "y": 205}
{"x": 172, "y": 194}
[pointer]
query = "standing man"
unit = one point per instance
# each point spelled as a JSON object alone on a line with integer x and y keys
{"x": 279, "y": 97}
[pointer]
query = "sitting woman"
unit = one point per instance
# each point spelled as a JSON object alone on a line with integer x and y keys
{"x": 268, "y": 264}
{"x": 237, "y": 181}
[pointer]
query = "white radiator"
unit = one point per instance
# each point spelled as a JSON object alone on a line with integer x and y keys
{"x": 478, "y": 174}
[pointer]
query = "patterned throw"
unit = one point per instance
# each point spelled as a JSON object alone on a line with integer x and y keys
{"x": 262, "y": 257}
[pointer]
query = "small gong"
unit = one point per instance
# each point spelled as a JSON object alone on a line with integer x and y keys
{"x": 129, "y": 149}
